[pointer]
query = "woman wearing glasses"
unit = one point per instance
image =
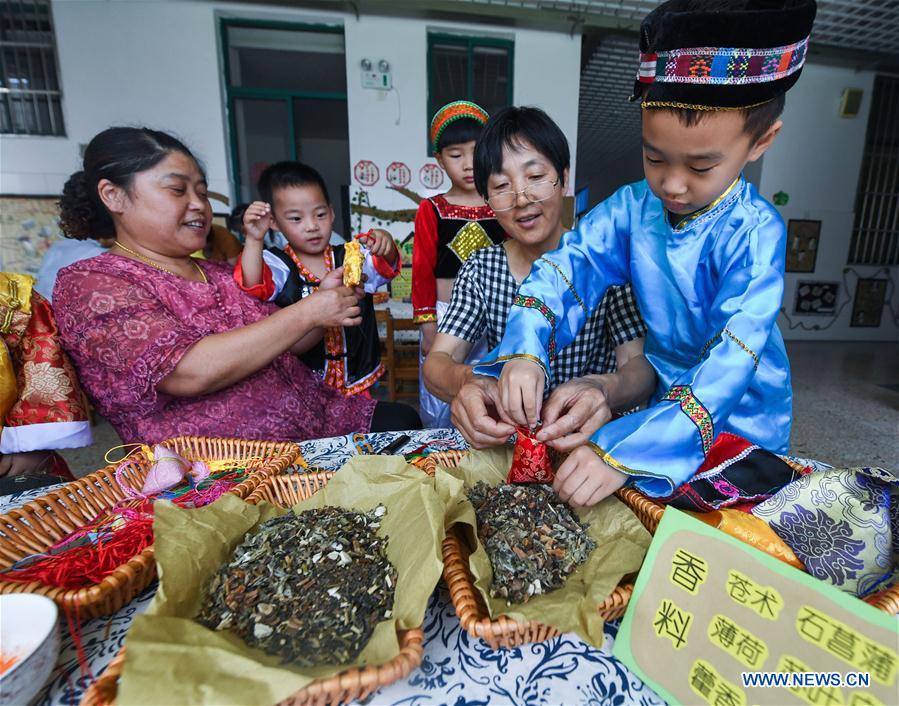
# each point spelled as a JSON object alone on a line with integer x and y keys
{"x": 521, "y": 169}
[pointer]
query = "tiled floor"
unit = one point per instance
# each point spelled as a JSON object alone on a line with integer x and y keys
{"x": 845, "y": 407}
{"x": 846, "y": 402}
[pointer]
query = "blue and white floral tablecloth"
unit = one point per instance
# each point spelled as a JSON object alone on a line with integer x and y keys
{"x": 457, "y": 670}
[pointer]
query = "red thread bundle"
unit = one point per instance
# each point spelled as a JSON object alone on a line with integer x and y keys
{"x": 114, "y": 537}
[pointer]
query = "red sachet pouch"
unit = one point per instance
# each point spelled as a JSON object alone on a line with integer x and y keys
{"x": 530, "y": 460}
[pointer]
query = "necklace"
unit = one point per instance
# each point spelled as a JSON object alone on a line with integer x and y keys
{"x": 153, "y": 263}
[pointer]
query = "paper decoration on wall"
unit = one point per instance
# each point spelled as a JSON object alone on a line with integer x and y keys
{"x": 803, "y": 238}
{"x": 398, "y": 174}
{"x": 401, "y": 285}
{"x": 781, "y": 198}
{"x": 431, "y": 176}
{"x": 707, "y": 609}
{"x": 406, "y": 248}
{"x": 816, "y": 298}
{"x": 380, "y": 217}
{"x": 366, "y": 172}
{"x": 870, "y": 297}
{"x": 28, "y": 226}
{"x": 409, "y": 194}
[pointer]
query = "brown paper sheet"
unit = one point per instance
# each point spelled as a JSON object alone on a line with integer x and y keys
{"x": 174, "y": 660}
{"x": 621, "y": 543}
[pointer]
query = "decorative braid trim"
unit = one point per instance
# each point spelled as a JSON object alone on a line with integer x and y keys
{"x": 567, "y": 282}
{"x": 696, "y": 411}
{"x": 534, "y": 303}
{"x": 694, "y": 106}
{"x": 733, "y": 337}
{"x": 727, "y": 332}
{"x": 723, "y": 66}
{"x": 424, "y": 318}
{"x": 725, "y": 464}
{"x": 605, "y": 457}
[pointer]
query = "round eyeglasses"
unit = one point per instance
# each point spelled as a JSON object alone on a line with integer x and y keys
{"x": 535, "y": 193}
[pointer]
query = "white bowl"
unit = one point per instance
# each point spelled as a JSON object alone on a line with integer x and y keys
{"x": 29, "y": 633}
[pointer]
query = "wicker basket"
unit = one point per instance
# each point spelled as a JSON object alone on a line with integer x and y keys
{"x": 43, "y": 522}
{"x": 502, "y": 631}
{"x": 505, "y": 632}
{"x": 351, "y": 685}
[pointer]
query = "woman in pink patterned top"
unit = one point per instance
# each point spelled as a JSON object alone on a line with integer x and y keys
{"x": 167, "y": 345}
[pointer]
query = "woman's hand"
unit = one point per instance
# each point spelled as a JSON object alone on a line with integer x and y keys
{"x": 379, "y": 242}
{"x": 474, "y": 414}
{"x": 574, "y": 412}
{"x": 583, "y": 479}
{"x": 334, "y": 279}
{"x": 521, "y": 392}
{"x": 338, "y": 306}
{"x": 257, "y": 219}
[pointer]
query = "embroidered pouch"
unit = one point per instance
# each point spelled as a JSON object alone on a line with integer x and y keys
{"x": 736, "y": 474}
{"x": 843, "y": 524}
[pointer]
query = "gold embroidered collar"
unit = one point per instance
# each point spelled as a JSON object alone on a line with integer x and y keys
{"x": 686, "y": 220}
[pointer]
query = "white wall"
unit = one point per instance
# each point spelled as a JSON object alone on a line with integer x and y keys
{"x": 157, "y": 64}
{"x": 817, "y": 159}
{"x": 143, "y": 63}
{"x": 392, "y": 126}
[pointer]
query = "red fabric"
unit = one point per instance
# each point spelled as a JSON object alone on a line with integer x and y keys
{"x": 384, "y": 268}
{"x": 262, "y": 291}
{"x": 736, "y": 474}
{"x": 47, "y": 384}
{"x": 424, "y": 260}
{"x": 530, "y": 461}
{"x": 726, "y": 446}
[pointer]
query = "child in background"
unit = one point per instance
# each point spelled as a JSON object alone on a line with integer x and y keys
{"x": 704, "y": 252}
{"x": 448, "y": 228}
{"x": 296, "y": 202}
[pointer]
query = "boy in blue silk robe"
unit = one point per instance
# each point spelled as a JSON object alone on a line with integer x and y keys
{"x": 702, "y": 249}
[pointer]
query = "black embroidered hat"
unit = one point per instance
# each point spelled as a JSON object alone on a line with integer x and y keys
{"x": 695, "y": 56}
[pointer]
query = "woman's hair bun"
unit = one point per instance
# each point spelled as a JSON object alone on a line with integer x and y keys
{"x": 81, "y": 215}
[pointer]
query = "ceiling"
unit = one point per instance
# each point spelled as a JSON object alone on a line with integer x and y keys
{"x": 865, "y": 32}
{"x": 860, "y": 33}
{"x": 869, "y": 25}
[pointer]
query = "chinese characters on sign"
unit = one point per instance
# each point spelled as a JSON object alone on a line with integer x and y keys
{"x": 366, "y": 172}
{"x": 398, "y": 174}
{"x": 848, "y": 645}
{"x": 714, "y": 621}
{"x": 431, "y": 176}
{"x": 764, "y": 600}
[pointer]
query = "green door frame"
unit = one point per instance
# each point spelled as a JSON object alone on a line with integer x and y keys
{"x": 233, "y": 93}
{"x": 469, "y": 43}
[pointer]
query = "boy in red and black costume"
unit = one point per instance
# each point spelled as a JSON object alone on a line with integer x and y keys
{"x": 348, "y": 358}
{"x": 448, "y": 229}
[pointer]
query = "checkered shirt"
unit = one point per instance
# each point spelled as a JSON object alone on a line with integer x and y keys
{"x": 483, "y": 294}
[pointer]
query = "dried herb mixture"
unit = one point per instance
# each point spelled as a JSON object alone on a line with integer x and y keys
{"x": 308, "y": 587}
{"x": 533, "y": 539}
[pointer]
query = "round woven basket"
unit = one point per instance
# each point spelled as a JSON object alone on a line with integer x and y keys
{"x": 41, "y": 523}
{"x": 354, "y": 684}
{"x": 502, "y": 631}
{"x": 505, "y": 632}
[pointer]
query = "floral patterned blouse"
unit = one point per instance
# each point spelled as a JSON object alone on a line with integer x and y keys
{"x": 126, "y": 325}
